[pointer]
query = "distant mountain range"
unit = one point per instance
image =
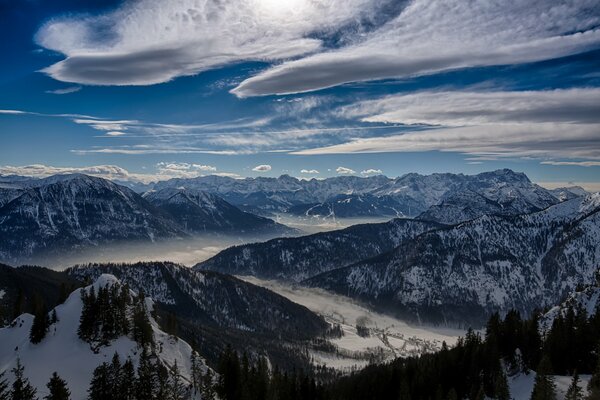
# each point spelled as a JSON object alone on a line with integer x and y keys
{"x": 61, "y": 213}
{"x": 409, "y": 195}
{"x": 455, "y": 273}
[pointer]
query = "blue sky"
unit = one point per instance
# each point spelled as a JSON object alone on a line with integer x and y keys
{"x": 146, "y": 90}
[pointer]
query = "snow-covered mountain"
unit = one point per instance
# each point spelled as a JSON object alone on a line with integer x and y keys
{"x": 409, "y": 195}
{"x": 487, "y": 264}
{"x": 200, "y": 212}
{"x": 215, "y": 310}
{"x": 63, "y": 351}
{"x": 586, "y": 299}
{"x": 302, "y": 257}
{"x": 350, "y": 206}
{"x": 74, "y": 211}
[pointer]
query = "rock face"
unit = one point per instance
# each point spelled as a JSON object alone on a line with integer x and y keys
{"x": 71, "y": 211}
{"x": 491, "y": 263}
{"x": 296, "y": 259}
{"x": 200, "y": 212}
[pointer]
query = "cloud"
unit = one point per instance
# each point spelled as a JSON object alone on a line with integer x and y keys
{"x": 42, "y": 171}
{"x": 262, "y": 168}
{"x": 115, "y": 133}
{"x": 344, "y": 171}
{"x": 371, "y": 171}
{"x": 152, "y": 41}
{"x": 67, "y": 90}
{"x": 574, "y": 163}
{"x": 13, "y": 112}
{"x": 309, "y": 171}
{"x": 589, "y": 186}
{"x": 488, "y": 125}
{"x": 164, "y": 171}
{"x": 430, "y": 37}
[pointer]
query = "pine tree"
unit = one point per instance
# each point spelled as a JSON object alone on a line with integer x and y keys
{"x": 574, "y": 392}
{"x": 101, "y": 386}
{"x": 40, "y": 325}
{"x": 196, "y": 371}
{"x": 405, "y": 390}
{"x": 21, "y": 388}
{"x": 142, "y": 330}
{"x": 501, "y": 389}
{"x": 208, "y": 386}
{"x": 594, "y": 383}
{"x": 176, "y": 388}
{"x": 146, "y": 382}
{"x": 127, "y": 381}
{"x": 4, "y": 392}
{"x": 544, "y": 387}
{"x": 57, "y": 388}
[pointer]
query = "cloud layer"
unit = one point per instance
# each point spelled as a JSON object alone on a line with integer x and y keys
{"x": 153, "y": 41}
{"x": 542, "y": 124}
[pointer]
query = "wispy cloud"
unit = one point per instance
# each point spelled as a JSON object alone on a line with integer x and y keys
{"x": 489, "y": 125}
{"x": 262, "y": 168}
{"x": 67, "y": 90}
{"x": 152, "y": 41}
{"x": 345, "y": 171}
{"x": 573, "y": 163}
{"x": 429, "y": 37}
{"x": 309, "y": 171}
{"x": 371, "y": 171}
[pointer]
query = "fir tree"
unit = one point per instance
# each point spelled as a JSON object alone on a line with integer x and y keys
{"x": 57, "y": 388}
{"x": 594, "y": 383}
{"x": 405, "y": 390}
{"x": 21, "y": 388}
{"x": 544, "y": 387}
{"x": 501, "y": 389}
{"x": 40, "y": 325}
{"x": 208, "y": 387}
{"x": 574, "y": 392}
{"x": 196, "y": 371}
{"x": 176, "y": 387}
{"x": 146, "y": 382}
{"x": 101, "y": 385}
{"x": 4, "y": 392}
{"x": 142, "y": 330}
{"x": 127, "y": 381}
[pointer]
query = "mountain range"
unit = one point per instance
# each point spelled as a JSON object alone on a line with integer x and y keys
{"x": 41, "y": 217}
{"x": 435, "y": 273}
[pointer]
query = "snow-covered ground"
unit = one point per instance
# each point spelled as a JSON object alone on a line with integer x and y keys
{"x": 521, "y": 385}
{"x": 388, "y": 337}
{"x": 62, "y": 350}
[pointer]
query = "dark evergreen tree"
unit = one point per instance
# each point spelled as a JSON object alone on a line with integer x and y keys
{"x": 574, "y": 392}
{"x": 57, "y": 388}
{"x": 146, "y": 382}
{"x": 21, "y": 388}
{"x": 501, "y": 389}
{"x": 208, "y": 386}
{"x": 594, "y": 383}
{"x": 4, "y": 392}
{"x": 40, "y": 325}
{"x": 142, "y": 329}
{"x": 127, "y": 384}
{"x": 176, "y": 387}
{"x": 544, "y": 387}
{"x": 101, "y": 385}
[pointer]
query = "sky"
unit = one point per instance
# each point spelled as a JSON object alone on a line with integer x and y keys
{"x": 149, "y": 90}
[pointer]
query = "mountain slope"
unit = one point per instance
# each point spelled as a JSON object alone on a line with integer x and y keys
{"x": 487, "y": 264}
{"x": 34, "y": 284}
{"x": 70, "y": 212}
{"x": 200, "y": 212}
{"x": 215, "y": 310}
{"x": 351, "y": 205}
{"x": 299, "y": 258}
{"x": 77, "y": 359}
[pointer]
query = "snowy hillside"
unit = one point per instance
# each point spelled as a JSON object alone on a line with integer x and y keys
{"x": 200, "y": 212}
{"x": 300, "y": 258}
{"x": 62, "y": 350}
{"x": 68, "y": 212}
{"x": 490, "y": 263}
